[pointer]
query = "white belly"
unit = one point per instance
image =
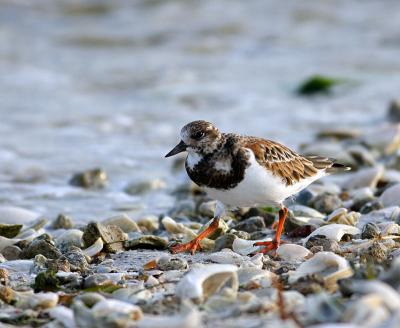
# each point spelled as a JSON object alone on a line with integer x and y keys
{"x": 259, "y": 188}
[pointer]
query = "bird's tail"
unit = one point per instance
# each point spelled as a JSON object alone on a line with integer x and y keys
{"x": 330, "y": 165}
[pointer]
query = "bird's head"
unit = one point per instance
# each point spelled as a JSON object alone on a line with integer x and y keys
{"x": 198, "y": 136}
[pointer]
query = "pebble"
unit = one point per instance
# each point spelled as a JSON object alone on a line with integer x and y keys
{"x": 43, "y": 300}
{"x": 324, "y": 243}
{"x": 77, "y": 259}
{"x": 166, "y": 263}
{"x": 7, "y": 295}
{"x": 90, "y": 179}
{"x": 41, "y": 245}
{"x": 394, "y": 111}
{"x": 146, "y": 242}
{"x": 367, "y": 177}
{"x": 207, "y": 208}
{"x": 250, "y": 225}
{"x": 391, "y": 196}
{"x": 62, "y": 222}
{"x": 12, "y": 252}
{"x": 71, "y": 237}
{"x": 97, "y": 280}
{"x": 326, "y": 203}
{"x": 370, "y": 231}
{"x": 112, "y": 236}
{"x": 124, "y": 222}
{"x": 142, "y": 187}
{"x": 224, "y": 241}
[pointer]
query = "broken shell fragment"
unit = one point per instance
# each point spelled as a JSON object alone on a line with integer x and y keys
{"x": 292, "y": 252}
{"x": 246, "y": 247}
{"x": 330, "y": 266}
{"x": 203, "y": 281}
{"x": 95, "y": 248}
{"x": 334, "y": 231}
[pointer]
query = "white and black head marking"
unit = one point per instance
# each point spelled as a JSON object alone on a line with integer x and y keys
{"x": 200, "y": 136}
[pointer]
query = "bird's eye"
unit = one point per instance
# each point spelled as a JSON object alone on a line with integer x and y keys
{"x": 198, "y": 135}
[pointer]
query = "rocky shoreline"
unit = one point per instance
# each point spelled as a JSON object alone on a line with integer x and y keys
{"x": 339, "y": 262}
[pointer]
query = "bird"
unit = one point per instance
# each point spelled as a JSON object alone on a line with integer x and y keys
{"x": 245, "y": 171}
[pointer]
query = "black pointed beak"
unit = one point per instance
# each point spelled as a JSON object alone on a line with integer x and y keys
{"x": 179, "y": 148}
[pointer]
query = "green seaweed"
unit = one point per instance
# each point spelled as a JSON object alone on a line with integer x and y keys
{"x": 317, "y": 84}
{"x": 46, "y": 281}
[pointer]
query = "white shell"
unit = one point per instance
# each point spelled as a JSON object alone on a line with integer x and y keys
{"x": 331, "y": 266}
{"x": 250, "y": 276}
{"x": 342, "y": 216}
{"x": 334, "y": 231}
{"x": 5, "y": 242}
{"x": 206, "y": 280}
{"x": 246, "y": 247}
{"x": 95, "y": 248}
{"x": 292, "y": 252}
{"x": 189, "y": 318}
{"x": 108, "y": 307}
{"x": 227, "y": 256}
{"x": 63, "y": 315}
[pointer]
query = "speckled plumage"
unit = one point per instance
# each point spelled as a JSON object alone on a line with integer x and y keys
{"x": 246, "y": 171}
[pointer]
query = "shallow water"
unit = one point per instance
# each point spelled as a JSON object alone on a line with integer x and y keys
{"x": 109, "y": 84}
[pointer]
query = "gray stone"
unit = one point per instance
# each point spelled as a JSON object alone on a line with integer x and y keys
{"x": 394, "y": 111}
{"x": 167, "y": 263}
{"x": 370, "y": 230}
{"x": 112, "y": 236}
{"x": 93, "y": 179}
{"x": 62, "y": 222}
{"x": 41, "y": 245}
{"x": 326, "y": 203}
{"x": 252, "y": 224}
{"x": 76, "y": 258}
{"x": 371, "y": 206}
{"x": 12, "y": 252}
{"x": 224, "y": 241}
{"x": 97, "y": 280}
{"x": 327, "y": 245}
{"x": 146, "y": 242}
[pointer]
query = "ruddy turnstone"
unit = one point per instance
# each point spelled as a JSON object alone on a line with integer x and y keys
{"x": 242, "y": 171}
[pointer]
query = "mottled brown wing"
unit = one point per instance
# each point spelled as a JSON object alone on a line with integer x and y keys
{"x": 284, "y": 162}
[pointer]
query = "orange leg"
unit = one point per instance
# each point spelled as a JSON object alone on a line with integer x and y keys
{"x": 194, "y": 244}
{"x": 274, "y": 244}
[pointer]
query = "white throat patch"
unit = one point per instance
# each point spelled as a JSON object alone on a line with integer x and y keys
{"x": 192, "y": 159}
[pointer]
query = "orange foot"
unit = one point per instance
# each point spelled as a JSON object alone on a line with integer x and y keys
{"x": 191, "y": 246}
{"x": 269, "y": 245}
